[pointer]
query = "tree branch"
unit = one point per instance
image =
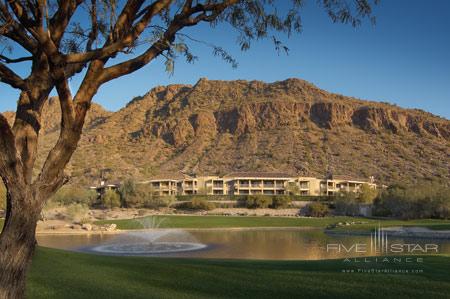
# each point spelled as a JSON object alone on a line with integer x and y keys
{"x": 21, "y": 13}
{"x": 15, "y": 60}
{"x": 9, "y": 77}
{"x": 123, "y": 24}
{"x": 58, "y": 23}
{"x": 180, "y": 21}
{"x": 18, "y": 32}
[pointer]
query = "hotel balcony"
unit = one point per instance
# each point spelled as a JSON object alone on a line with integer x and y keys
{"x": 163, "y": 187}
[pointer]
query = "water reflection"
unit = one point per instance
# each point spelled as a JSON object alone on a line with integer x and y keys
{"x": 280, "y": 244}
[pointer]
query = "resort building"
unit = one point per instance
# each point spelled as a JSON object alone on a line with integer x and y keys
{"x": 242, "y": 183}
{"x": 105, "y": 186}
{"x": 253, "y": 183}
{"x": 172, "y": 184}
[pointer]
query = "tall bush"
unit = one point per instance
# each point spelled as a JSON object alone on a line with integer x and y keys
{"x": 258, "y": 201}
{"x": 281, "y": 202}
{"x": 347, "y": 204}
{"x": 68, "y": 195}
{"x": 367, "y": 194}
{"x": 198, "y": 204}
{"x": 317, "y": 209}
{"x": 111, "y": 199}
{"x": 127, "y": 192}
{"x": 77, "y": 212}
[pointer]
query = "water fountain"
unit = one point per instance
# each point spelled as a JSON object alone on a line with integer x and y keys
{"x": 151, "y": 240}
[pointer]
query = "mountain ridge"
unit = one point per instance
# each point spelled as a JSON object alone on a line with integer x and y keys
{"x": 218, "y": 126}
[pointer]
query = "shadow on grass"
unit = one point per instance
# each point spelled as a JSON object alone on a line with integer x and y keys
{"x": 61, "y": 274}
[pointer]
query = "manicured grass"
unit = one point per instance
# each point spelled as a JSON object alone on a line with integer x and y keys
{"x": 433, "y": 224}
{"x": 61, "y": 274}
{"x": 173, "y": 221}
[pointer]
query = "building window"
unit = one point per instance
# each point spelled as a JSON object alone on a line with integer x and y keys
{"x": 269, "y": 184}
{"x": 304, "y": 184}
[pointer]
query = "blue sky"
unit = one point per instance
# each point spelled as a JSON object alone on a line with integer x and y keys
{"x": 403, "y": 59}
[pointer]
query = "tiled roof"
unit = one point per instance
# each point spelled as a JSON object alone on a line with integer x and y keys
{"x": 258, "y": 175}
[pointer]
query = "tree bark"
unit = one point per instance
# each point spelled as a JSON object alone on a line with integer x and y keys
{"x": 26, "y": 131}
{"x": 17, "y": 242}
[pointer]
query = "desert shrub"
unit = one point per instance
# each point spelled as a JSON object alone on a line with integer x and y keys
{"x": 136, "y": 195}
{"x": 77, "y": 212}
{"x": 143, "y": 196}
{"x": 111, "y": 199}
{"x": 317, "y": 209}
{"x": 155, "y": 202}
{"x": 225, "y": 205}
{"x": 281, "y": 202}
{"x": 347, "y": 204}
{"x": 197, "y": 204}
{"x": 68, "y": 195}
{"x": 201, "y": 204}
{"x": 258, "y": 201}
{"x": 422, "y": 200}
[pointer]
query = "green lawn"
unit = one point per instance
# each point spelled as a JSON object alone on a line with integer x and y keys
{"x": 60, "y": 274}
{"x": 434, "y": 224}
{"x": 174, "y": 221}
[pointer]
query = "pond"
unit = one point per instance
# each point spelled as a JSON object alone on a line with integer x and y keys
{"x": 274, "y": 244}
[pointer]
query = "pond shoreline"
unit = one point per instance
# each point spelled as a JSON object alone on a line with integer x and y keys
{"x": 119, "y": 231}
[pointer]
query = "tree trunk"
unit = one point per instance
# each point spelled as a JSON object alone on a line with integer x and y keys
{"x": 17, "y": 243}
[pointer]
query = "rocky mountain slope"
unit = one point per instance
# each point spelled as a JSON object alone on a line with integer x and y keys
{"x": 216, "y": 127}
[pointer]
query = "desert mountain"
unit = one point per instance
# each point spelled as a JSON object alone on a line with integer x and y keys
{"x": 215, "y": 127}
